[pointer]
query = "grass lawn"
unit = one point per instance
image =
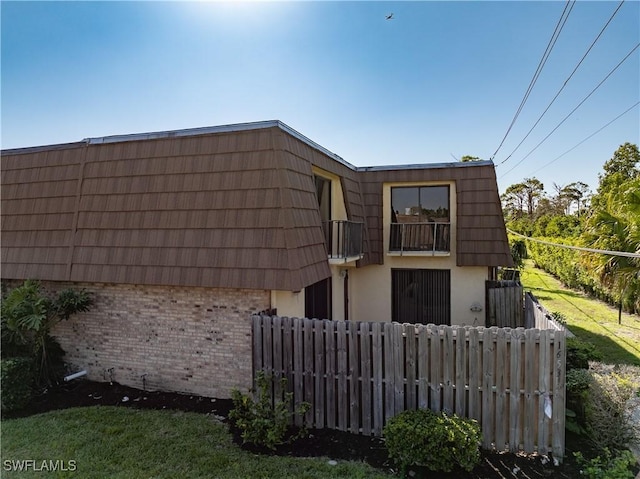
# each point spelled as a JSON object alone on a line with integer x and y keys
{"x": 589, "y": 319}
{"x": 116, "y": 442}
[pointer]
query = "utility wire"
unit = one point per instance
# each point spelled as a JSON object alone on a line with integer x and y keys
{"x": 564, "y": 84}
{"x": 552, "y": 41}
{"x": 574, "y": 110}
{"x": 578, "y": 248}
{"x": 592, "y": 134}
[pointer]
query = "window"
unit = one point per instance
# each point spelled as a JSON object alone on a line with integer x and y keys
{"x": 420, "y": 218}
{"x": 420, "y": 204}
{"x": 421, "y": 296}
{"x": 323, "y": 191}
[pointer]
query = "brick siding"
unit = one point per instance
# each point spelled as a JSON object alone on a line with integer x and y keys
{"x": 191, "y": 340}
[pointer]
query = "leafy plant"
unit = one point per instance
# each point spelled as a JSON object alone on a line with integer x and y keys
{"x": 579, "y": 353}
{"x": 28, "y": 316}
{"x": 436, "y": 441}
{"x": 262, "y": 422}
{"x": 607, "y": 467}
{"x": 577, "y": 384}
{"x": 608, "y": 423}
{"x": 16, "y": 380}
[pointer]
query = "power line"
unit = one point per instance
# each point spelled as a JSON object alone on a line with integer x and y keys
{"x": 552, "y": 41}
{"x": 579, "y": 248}
{"x": 592, "y": 134}
{"x": 574, "y": 110}
{"x": 565, "y": 83}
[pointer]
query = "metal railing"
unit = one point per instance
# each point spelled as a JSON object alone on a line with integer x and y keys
{"x": 343, "y": 238}
{"x": 432, "y": 236}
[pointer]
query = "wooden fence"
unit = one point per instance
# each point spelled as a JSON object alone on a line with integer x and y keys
{"x": 536, "y": 316}
{"x": 505, "y": 307}
{"x": 357, "y": 375}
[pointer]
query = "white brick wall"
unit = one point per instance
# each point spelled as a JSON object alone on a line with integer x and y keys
{"x": 192, "y": 340}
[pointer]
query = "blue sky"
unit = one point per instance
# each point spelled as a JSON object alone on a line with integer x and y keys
{"x": 440, "y": 80}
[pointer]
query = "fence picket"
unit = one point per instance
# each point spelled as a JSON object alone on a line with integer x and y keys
{"x": 354, "y": 376}
{"x": 319, "y": 373}
{"x": 435, "y": 362}
{"x": 448, "y": 363}
{"x": 474, "y": 374}
{"x": 423, "y": 367}
{"x": 488, "y": 368}
{"x": 530, "y": 377}
{"x": 365, "y": 377}
{"x": 378, "y": 397}
{"x": 343, "y": 394}
{"x": 514, "y": 390}
{"x": 461, "y": 371}
{"x": 389, "y": 395}
{"x": 298, "y": 367}
{"x": 410, "y": 364}
{"x": 331, "y": 353}
{"x": 501, "y": 405}
{"x": 398, "y": 353}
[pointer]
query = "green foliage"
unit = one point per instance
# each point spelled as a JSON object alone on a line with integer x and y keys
{"x": 518, "y": 252}
{"x": 28, "y": 316}
{"x": 436, "y": 441}
{"x": 16, "y": 382}
{"x": 608, "y": 466}
{"x": 261, "y": 422}
{"x": 577, "y": 383}
{"x": 579, "y": 353}
{"x": 610, "y": 389}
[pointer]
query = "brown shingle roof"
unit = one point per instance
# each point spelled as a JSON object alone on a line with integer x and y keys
{"x": 227, "y": 206}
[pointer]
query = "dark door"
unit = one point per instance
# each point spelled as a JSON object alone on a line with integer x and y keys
{"x": 421, "y": 296}
{"x": 317, "y": 300}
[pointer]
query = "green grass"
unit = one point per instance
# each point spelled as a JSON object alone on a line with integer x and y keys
{"x": 589, "y": 319}
{"x": 129, "y": 443}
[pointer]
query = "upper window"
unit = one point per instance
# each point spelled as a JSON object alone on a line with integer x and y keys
{"x": 420, "y": 204}
{"x": 420, "y": 219}
{"x": 323, "y": 190}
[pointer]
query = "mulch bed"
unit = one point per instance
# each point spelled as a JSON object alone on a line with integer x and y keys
{"x": 335, "y": 445}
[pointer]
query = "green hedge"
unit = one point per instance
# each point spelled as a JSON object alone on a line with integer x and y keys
{"x": 17, "y": 377}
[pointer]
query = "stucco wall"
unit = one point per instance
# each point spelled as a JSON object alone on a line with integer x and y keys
{"x": 192, "y": 340}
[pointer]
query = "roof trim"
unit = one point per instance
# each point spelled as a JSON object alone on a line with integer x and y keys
{"x": 426, "y": 166}
{"x": 236, "y": 127}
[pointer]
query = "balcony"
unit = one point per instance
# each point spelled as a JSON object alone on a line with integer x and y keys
{"x": 344, "y": 240}
{"x": 432, "y": 237}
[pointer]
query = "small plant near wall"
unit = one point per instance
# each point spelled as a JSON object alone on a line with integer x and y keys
{"x": 28, "y": 316}
{"x": 260, "y": 422}
{"x": 437, "y": 441}
{"x": 607, "y": 465}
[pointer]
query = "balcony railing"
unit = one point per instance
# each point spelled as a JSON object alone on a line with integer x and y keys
{"x": 343, "y": 239}
{"x": 421, "y": 237}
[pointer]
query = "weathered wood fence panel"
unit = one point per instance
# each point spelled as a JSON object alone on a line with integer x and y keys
{"x": 536, "y": 316}
{"x": 357, "y": 375}
{"x": 505, "y": 304}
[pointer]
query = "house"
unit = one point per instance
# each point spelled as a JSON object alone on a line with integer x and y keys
{"x": 182, "y": 235}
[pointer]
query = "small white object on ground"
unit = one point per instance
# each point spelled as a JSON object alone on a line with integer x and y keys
{"x": 125, "y": 399}
{"x": 332, "y": 462}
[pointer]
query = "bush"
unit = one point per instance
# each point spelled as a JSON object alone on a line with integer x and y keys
{"x": 16, "y": 381}
{"x": 579, "y": 353}
{"x": 436, "y": 441}
{"x": 260, "y": 422}
{"x": 607, "y": 467}
{"x": 577, "y": 382}
{"x": 28, "y": 316}
{"x": 608, "y": 422}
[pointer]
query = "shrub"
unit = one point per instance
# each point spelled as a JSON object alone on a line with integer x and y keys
{"x": 608, "y": 421}
{"x": 28, "y": 315}
{"x": 608, "y": 466}
{"x": 436, "y": 441}
{"x": 577, "y": 382}
{"x": 579, "y": 353}
{"x": 260, "y": 422}
{"x": 16, "y": 381}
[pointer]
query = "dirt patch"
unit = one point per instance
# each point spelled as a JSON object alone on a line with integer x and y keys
{"x": 335, "y": 445}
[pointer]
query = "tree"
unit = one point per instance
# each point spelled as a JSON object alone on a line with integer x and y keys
{"x": 533, "y": 190}
{"x": 466, "y": 158}
{"x": 576, "y": 192}
{"x": 28, "y": 316}
{"x": 614, "y": 224}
